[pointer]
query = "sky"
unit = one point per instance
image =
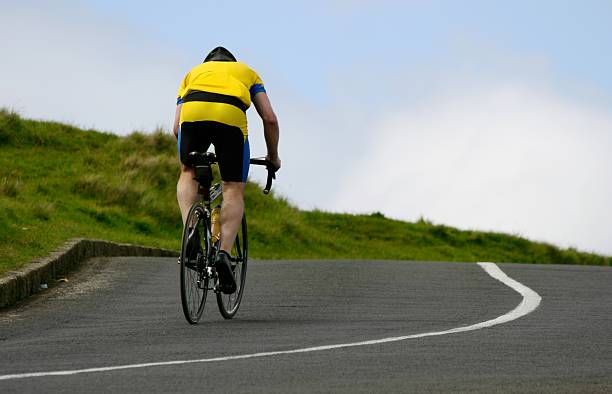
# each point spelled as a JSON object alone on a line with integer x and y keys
{"x": 484, "y": 115}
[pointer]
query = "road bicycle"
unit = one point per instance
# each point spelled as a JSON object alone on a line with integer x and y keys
{"x": 200, "y": 244}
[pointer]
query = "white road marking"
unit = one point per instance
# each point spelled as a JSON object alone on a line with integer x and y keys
{"x": 530, "y": 302}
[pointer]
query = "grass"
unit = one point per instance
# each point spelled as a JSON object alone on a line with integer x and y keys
{"x": 58, "y": 182}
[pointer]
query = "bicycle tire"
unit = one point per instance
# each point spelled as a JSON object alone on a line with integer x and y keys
{"x": 229, "y": 303}
{"x": 193, "y": 277}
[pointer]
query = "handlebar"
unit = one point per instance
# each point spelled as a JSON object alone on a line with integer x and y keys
{"x": 261, "y": 161}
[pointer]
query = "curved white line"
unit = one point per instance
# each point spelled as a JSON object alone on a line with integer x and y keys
{"x": 530, "y": 302}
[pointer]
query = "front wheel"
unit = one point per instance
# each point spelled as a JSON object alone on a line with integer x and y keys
{"x": 229, "y": 303}
{"x": 194, "y": 254}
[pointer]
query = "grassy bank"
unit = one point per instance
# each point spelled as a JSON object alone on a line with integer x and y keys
{"x": 58, "y": 182}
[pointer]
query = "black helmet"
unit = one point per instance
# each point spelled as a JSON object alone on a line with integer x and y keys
{"x": 220, "y": 54}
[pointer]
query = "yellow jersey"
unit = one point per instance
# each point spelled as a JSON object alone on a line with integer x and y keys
{"x": 219, "y": 91}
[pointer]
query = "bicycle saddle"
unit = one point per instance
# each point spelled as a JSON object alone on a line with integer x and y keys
{"x": 201, "y": 159}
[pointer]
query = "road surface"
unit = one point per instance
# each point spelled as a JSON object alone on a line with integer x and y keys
{"x": 126, "y": 312}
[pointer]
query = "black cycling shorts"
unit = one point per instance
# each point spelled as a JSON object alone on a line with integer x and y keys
{"x": 231, "y": 147}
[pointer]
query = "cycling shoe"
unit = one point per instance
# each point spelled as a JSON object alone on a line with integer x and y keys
{"x": 227, "y": 283}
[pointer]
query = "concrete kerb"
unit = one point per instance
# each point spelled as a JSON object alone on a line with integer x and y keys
{"x": 18, "y": 285}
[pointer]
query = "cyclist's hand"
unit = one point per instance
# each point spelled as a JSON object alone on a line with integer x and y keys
{"x": 275, "y": 161}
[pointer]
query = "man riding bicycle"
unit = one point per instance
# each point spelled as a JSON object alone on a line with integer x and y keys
{"x": 211, "y": 108}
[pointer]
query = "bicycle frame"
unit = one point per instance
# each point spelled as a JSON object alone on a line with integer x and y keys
{"x": 210, "y": 193}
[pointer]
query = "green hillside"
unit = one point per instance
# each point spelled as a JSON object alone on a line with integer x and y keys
{"x": 59, "y": 182}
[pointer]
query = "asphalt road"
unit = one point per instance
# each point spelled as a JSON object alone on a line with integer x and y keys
{"x": 124, "y": 311}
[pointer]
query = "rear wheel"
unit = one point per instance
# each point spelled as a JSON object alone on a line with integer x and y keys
{"x": 229, "y": 303}
{"x": 194, "y": 254}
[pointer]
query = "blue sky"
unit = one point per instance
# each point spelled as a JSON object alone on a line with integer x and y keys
{"x": 308, "y": 37}
{"x": 478, "y": 114}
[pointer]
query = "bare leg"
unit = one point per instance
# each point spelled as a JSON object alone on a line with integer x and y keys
{"x": 186, "y": 191}
{"x": 231, "y": 213}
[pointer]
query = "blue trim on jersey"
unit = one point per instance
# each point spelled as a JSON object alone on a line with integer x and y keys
{"x": 179, "y": 100}
{"x": 246, "y": 160}
{"x": 257, "y": 88}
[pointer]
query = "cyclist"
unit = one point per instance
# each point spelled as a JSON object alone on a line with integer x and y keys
{"x": 211, "y": 108}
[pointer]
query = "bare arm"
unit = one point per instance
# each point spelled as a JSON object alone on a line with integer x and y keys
{"x": 177, "y": 117}
{"x": 270, "y": 124}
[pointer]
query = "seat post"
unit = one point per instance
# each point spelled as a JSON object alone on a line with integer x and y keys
{"x": 202, "y": 163}
{"x": 203, "y": 175}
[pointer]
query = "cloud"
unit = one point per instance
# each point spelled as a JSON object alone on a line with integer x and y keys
{"x": 509, "y": 157}
{"x": 68, "y": 64}
{"x": 317, "y": 146}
